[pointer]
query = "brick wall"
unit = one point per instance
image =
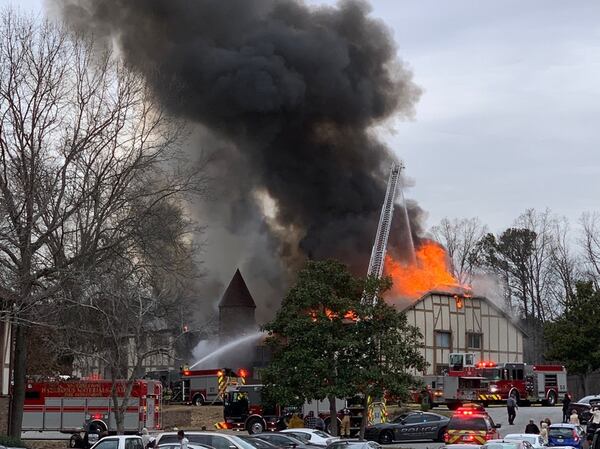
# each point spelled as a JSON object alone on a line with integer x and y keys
{"x": 4, "y": 406}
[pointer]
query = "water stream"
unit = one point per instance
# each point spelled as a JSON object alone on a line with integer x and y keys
{"x": 229, "y": 346}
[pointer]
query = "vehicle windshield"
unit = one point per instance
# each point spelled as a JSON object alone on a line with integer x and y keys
{"x": 460, "y": 423}
{"x": 502, "y": 445}
{"x": 519, "y": 437}
{"x": 241, "y": 443}
{"x": 321, "y": 434}
{"x": 561, "y": 432}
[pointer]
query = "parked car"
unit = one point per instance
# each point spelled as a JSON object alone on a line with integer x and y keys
{"x": 505, "y": 443}
{"x": 281, "y": 440}
{"x": 178, "y": 445}
{"x": 461, "y": 446}
{"x": 536, "y": 441}
{"x": 119, "y": 442}
{"x": 257, "y": 443}
{"x": 212, "y": 439}
{"x": 351, "y": 444}
{"x": 566, "y": 435}
{"x": 312, "y": 436}
{"x": 584, "y": 407}
{"x": 409, "y": 427}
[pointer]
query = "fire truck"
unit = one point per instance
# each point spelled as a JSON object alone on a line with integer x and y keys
{"x": 83, "y": 407}
{"x": 244, "y": 410}
{"x": 200, "y": 387}
{"x": 489, "y": 382}
{"x": 525, "y": 383}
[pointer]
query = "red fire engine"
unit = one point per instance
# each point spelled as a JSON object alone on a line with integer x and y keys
{"x": 73, "y": 406}
{"x": 525, "y": 383}
{"x": 489, "y": 382}
{"x": 201, "y": 387}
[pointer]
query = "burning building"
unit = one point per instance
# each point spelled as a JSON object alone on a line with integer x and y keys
{"x": 450, "y": 318}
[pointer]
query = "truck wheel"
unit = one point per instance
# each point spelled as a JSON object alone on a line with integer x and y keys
{"x": 255, "y": 425}
{"x": 551, "y": 401}
{"x": 386, "y": 437}
{"x": 198, "y": 400}
{"x": 75, "y": 441}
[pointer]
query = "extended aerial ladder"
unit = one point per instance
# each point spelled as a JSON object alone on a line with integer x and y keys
{"x": 385, "y": 223}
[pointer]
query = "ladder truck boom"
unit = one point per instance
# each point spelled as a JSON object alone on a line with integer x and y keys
{"x": 385, "y": 223}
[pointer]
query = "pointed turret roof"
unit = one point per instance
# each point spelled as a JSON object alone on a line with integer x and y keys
{"x": 237, "y": 293}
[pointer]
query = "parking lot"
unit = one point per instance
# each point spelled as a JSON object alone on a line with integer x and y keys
{"x": 498, "y": 414}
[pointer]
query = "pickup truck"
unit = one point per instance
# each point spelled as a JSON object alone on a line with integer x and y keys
{"x": 119, "y": 442}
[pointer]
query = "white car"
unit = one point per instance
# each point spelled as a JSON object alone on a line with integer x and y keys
{"x": 535, "y": 440}
{"x": 119, "y": 442}
{"x": 205, "y": 438}
{"x": 312, "y": 436}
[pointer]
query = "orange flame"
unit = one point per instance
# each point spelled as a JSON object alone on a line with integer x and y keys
{"x": 431, "y": 271}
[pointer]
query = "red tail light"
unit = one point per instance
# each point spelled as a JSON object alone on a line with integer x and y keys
{"x": 575, "y": 436}
{"x": 446, "y": 437}
{"x": 489, "y": 436}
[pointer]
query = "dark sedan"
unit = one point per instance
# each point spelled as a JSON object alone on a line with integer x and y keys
{"x": 584, "y": 407}
{"x": 409, "y": 427}
{"x": 281, "y": 440}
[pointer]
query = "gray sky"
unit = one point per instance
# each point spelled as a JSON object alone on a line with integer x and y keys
{"x": 511, "y": 105}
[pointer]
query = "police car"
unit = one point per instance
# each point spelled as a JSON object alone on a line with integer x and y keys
{"x": 409, "y": 427}
{"x": 471, "y": 427}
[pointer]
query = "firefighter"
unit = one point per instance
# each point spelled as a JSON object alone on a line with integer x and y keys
{"x": 345, "y": 426}
{"x": 295, "y": 422}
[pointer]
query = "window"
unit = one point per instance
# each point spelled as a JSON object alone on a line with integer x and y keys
{"x": 220, "y": 442}
{"x": 414, "y": 419}
{"x": 443, "y": 339}
{"x": 108, "y": 444}
{"x": 440, "y": 370}
{"x": 431, "y": 418}
{"x": 134, "y": 443}
{"x": 474, "y": 340}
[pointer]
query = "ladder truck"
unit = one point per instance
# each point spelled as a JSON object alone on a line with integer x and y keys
{"x": 385, "y": 223}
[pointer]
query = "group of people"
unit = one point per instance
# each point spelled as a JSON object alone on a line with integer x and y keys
{"x": 542, "y": 431}
{"x": 312, "y": 421}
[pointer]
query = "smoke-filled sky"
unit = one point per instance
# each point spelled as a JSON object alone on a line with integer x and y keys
{"x": 508, "y": 116}
{"x": 505, "y": 120}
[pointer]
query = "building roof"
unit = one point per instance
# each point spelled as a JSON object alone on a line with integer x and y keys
{"x": 482, "y": 298}
{"x": 237, "y": 293}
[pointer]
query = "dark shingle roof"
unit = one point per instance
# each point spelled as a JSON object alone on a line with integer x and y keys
{"x": 237, "y": 293}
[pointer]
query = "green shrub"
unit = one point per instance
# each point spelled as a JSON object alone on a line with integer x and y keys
{"x": 10, "y": 441}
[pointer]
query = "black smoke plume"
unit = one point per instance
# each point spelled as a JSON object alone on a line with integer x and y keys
{"x": 294, "y": 89}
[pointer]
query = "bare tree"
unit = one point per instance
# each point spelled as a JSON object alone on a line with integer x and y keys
{"x": 461, "y": 238}
{"x": 82, "y": 144}
{"x": 590, "y": 244}
{"x": 566, "y": 263}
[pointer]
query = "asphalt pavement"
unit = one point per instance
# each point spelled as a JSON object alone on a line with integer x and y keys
{"x": 499, "y": 415}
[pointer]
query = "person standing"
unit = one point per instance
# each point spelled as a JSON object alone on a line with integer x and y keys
{"x": 544, "y": 432}
{"x": 565, "y": 407}
{"x": 310, "y": 421}
{"x": 295, "y": 422}
{"x": 145, "y": 437}
{"x": 183, "y": 441}
{"x": 532, "y": 428}
{"x": 345, "y": 426}
{"x": 511, "y": 408}
{"x": 574, "y": 418}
